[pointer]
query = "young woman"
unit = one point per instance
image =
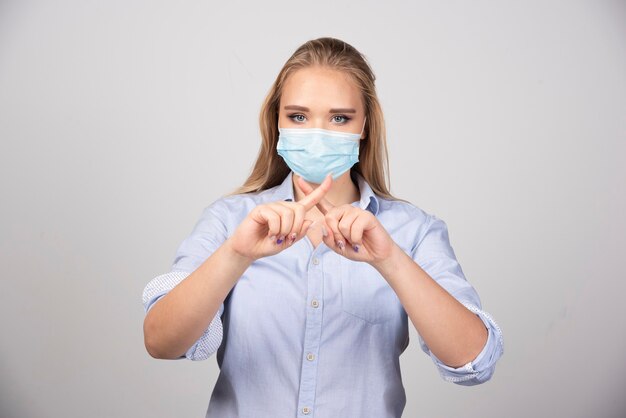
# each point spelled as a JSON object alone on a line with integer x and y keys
{"x": 303, "y": 280}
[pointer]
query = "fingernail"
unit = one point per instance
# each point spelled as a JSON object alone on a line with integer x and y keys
{"x": 273, "y": 238}
{"x": 324, "y": 231}
{"x": 292, "y": 237}
{"x": 341, "y": 245}
{"x": 280, "y": 240}
{"x": 356, "y": 248}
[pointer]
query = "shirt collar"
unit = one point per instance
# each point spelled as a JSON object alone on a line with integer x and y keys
{"x": 369, "y": 200}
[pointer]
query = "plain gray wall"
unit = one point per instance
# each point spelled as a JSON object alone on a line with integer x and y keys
{"x": 121, "y": 120}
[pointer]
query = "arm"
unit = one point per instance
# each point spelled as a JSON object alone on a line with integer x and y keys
{"x": 185, "y": 305}
{"x": 210, "y": 340}
{"x": 463, "y": 341}
{"x": 186, "y": 312}
{"x": 216, "y": 263}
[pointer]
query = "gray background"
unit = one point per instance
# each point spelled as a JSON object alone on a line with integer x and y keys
{"x": 121, "y": 120}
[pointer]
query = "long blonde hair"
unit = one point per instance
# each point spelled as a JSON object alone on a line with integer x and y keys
{"x": 270, "y": 169}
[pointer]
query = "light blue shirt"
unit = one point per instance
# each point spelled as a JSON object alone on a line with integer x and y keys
{"x": 308, "y": 332}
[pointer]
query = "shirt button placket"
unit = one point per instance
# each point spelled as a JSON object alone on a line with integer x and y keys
{"x": 313, "y": 332}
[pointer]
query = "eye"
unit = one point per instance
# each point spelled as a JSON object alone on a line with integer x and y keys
{"x": 342, "y": 119}
{"x": 296, "y": 117}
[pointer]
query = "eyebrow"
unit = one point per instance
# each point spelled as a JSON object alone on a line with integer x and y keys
{"x": 306, "y": 109}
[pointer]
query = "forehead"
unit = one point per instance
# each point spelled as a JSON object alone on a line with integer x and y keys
{"x": 320, "y": 86}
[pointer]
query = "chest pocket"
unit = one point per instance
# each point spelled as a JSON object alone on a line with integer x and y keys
{"x": 365, "y": 294}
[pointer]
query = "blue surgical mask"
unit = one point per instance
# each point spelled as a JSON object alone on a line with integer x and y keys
{"x": 312, "y": 153}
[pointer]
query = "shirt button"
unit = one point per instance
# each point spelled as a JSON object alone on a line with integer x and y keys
{"x": 315, "y": 303}
{"x": 306, "y": 410}
{"x": 310, "y": 356}
{"x": 316, "y": 261}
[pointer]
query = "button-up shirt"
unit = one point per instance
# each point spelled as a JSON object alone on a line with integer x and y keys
{"x": 308, "y": 332}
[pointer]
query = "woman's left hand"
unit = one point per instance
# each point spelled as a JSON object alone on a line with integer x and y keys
{"x": 353, "y": 232}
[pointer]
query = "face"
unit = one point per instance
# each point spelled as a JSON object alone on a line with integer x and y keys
{"x": 317, "y": 97}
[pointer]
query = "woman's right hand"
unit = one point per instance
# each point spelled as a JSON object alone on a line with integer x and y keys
{"x": 271, "y": 227}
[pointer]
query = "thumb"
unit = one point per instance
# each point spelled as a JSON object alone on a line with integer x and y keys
{"x": 305, "y": 227}
{"x": 327, "y": 235}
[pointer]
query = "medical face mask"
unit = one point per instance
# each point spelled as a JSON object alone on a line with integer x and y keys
{"x": 312, "y": 153}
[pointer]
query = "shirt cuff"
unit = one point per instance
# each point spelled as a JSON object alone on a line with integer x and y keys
{"x": 482, "y": 367}
{"x": 159, "y": 286}
{"x": 209, "y": 342}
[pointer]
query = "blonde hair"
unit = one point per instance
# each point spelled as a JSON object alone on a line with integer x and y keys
{"x": 270, "y": 169}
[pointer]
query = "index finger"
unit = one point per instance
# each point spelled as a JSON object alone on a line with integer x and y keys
{"x": 323, "y": 204}
{"x": 316, "y": 195}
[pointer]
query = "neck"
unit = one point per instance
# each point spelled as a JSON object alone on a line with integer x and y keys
{"x": 342, "y": 191}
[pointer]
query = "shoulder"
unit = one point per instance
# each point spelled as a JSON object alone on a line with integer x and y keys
{"x": 406, "y": 222}
{"x": 402, "y": 211}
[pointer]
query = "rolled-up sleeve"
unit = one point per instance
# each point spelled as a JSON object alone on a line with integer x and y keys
{"x": 207, "y": 235}
{"x": 435, "y": 255}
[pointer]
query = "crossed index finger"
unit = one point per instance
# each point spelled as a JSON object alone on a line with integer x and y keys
{"x": 314, "y": 197}
{"x": 322, "y": 203}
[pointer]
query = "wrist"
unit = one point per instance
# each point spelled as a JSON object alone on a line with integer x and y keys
{"x": 389, "y": 265}
{"x": 235, "y": 255}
